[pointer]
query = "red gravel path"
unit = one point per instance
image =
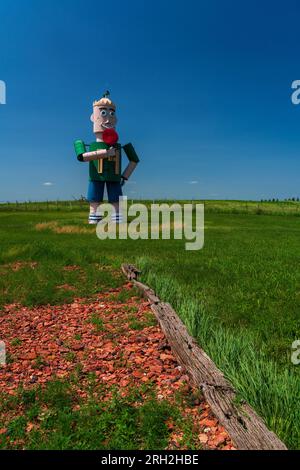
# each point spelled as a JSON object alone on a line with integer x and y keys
{"x": 47, "y": 342}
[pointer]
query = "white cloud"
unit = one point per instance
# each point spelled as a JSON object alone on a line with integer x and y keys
{"x": 193, "y": 182}
{"x": 48, "y": 183}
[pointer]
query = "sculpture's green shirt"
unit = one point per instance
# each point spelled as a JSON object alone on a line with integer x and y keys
{"x": 105, "y": 169}
{"x": 109, "y": 168}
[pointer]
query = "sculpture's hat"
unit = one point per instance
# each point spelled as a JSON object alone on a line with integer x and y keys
{"x": 105, "y": 101}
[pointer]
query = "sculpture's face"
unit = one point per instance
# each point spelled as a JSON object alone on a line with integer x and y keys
{"x": 103, "y": 117}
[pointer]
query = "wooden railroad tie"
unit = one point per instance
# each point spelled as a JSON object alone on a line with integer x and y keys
{"x": 246, "y": 429}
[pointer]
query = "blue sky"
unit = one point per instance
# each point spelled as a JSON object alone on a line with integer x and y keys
{"x": 202, "y": 87}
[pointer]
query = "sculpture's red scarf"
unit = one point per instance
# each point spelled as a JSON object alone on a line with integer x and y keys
{"x": 110, "y": 136}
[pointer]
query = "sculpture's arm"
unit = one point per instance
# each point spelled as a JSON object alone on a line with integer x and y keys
{"x": 84, "y": 156}
{"x": 133, "y": 161}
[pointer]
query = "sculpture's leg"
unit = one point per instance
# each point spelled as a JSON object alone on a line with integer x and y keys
{"x": 114, "y": 191}
{"x": 95, "y": 197}
{"x": 94, "y": 218}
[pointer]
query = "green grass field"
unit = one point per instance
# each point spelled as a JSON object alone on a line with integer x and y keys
{"x": 239, "y": 295}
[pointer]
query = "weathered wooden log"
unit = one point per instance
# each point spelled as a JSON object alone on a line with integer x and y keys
{"x": 147, "y": 292}
{"x": 245, "y": 427}
{"x": 130, "y": 271}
